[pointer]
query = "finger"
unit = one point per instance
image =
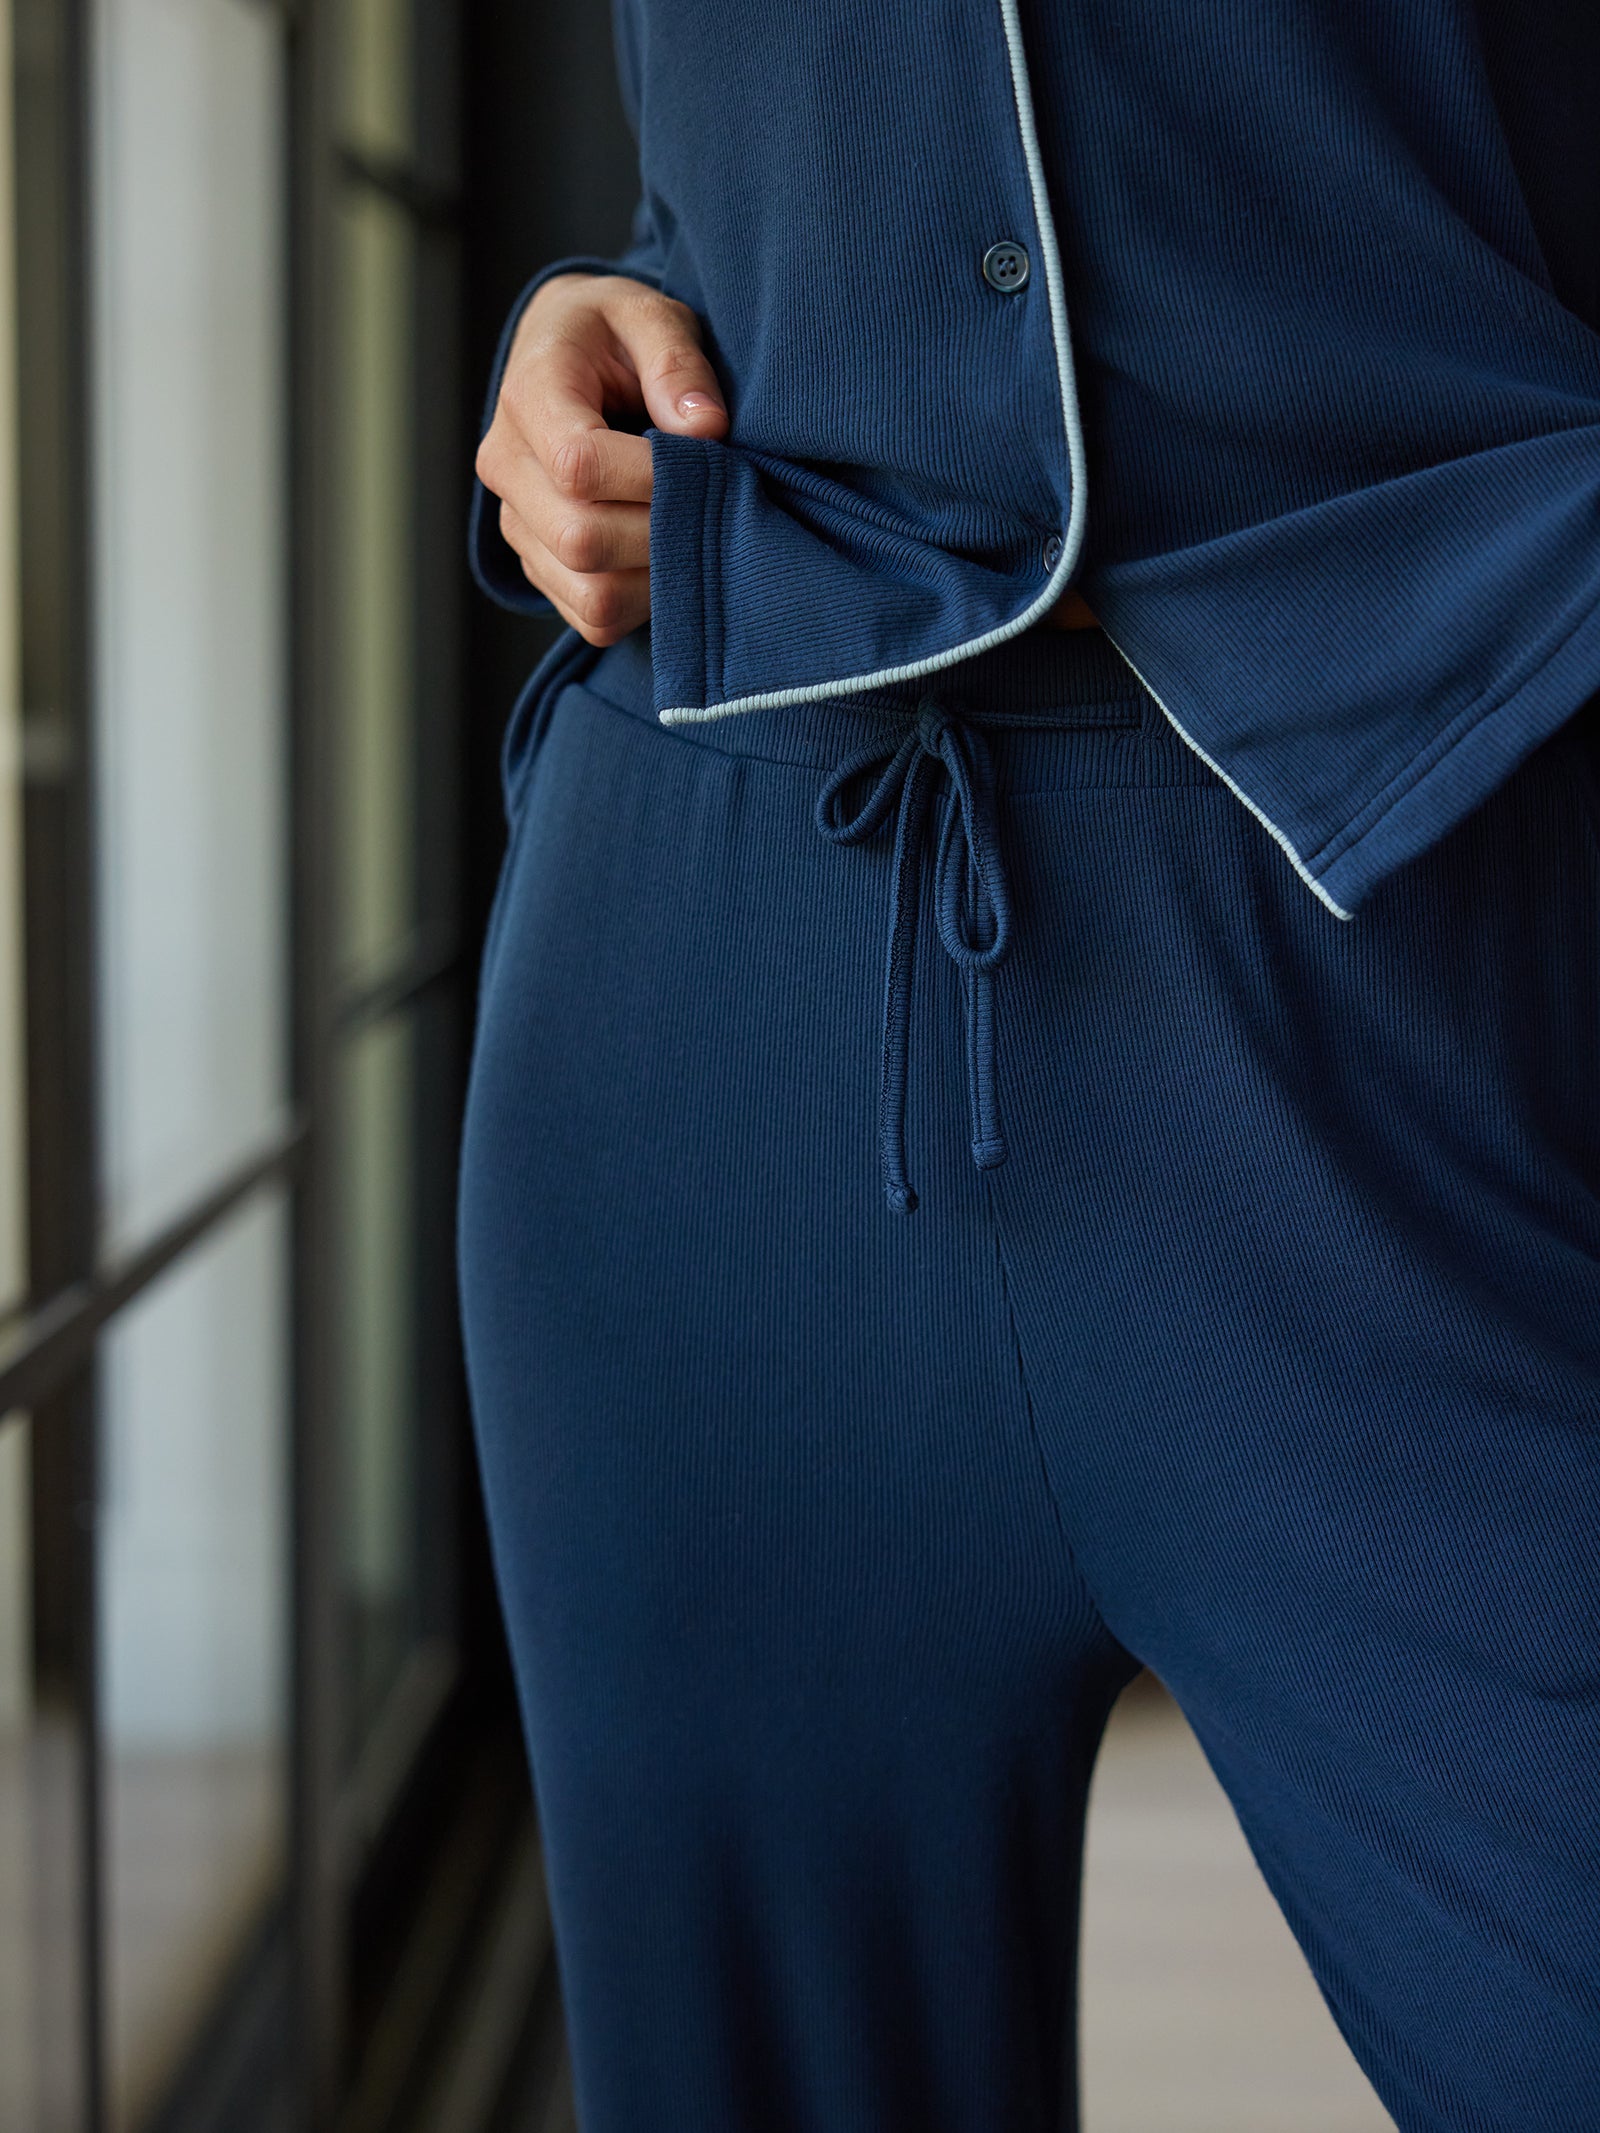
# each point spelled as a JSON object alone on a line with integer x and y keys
{"x": 552, "y": 406}
{"x": 602, "y": 609}
{"x": 602, "y": 605}
{"x": 585, "y": 537}
{"x": 661, "y": 340}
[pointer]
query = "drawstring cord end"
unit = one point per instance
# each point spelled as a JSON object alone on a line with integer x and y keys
{"x": 972, "y": 902}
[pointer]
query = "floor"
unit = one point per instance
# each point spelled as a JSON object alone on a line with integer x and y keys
{"x": 1199, "y": 2014}
{"x": 194, "y": 1850}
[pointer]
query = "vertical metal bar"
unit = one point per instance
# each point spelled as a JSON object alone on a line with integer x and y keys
{"x": 56, "y": 559}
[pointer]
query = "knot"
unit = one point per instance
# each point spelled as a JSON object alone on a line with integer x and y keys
{"x": 972, "y": 909}
{"x": 932, "y": 724}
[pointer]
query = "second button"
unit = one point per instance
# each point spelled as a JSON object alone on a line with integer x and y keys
{"x": 1005, "y": 266}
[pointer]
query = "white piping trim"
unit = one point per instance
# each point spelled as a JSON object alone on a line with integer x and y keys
{"x": 1238, "y": 792}
{"x": 687, "y": 714}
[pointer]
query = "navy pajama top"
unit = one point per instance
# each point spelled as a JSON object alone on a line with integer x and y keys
{"x": 1289, "y": 359}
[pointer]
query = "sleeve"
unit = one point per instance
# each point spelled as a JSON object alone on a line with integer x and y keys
{"x": 492, "y": 559}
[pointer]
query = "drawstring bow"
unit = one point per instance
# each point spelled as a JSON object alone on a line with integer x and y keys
{"x": 972, "y": 908}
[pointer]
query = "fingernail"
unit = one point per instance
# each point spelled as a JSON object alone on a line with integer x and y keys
{"x": 695, "y": 403}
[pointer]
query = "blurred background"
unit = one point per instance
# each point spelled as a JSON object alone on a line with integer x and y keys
{"x": 267, "y": 1854}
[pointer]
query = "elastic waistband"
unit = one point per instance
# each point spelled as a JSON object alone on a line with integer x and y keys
{"x": 1060, "y": 707}
{"x": 1043, "y": 677}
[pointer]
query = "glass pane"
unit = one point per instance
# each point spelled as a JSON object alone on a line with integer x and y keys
{"x": 377, "y": 605}
{"x": 378, "y": 103}
{"x": 190, "y": 532}
{"x": 194, "y": 1631}
{"x": 41, "y": 1786}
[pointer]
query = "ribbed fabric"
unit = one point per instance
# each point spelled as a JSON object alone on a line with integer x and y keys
{"x": 1270, "y": 1356}
{"x": 1329, "y": 268}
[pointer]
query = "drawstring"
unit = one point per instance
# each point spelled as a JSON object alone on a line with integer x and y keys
{"x": 972, "y": 906}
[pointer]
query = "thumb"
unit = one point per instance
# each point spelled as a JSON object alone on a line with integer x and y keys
{"x": 678, "y": 385}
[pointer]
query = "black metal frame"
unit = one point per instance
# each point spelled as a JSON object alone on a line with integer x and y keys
{"x": 54, "y": 568}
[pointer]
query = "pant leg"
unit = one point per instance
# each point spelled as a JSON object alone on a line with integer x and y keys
{"x": 1302, "y": 1227}
{"x": 810, "y": 1680}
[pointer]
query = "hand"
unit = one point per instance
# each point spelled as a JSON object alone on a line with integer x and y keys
{"x": 575, "y": 494}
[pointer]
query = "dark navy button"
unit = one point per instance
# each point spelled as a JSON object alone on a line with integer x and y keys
{"x": 1054, "y": 549}
{"x": 1005, "y": 267}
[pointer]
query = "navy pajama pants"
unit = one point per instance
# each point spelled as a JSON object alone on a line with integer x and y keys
{"x": 1268, "y": 1356}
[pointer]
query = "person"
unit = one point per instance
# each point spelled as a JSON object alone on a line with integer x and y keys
{"x": 1033, "y": 1109}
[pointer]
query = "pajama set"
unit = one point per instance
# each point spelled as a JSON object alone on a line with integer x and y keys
{"x": 995, "y": 1156}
